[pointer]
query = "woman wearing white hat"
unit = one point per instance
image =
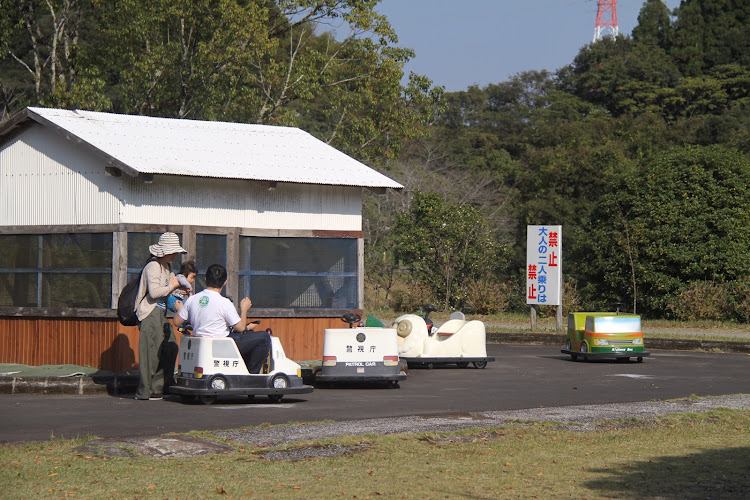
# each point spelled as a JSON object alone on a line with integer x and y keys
{"x": 157, "y": 282}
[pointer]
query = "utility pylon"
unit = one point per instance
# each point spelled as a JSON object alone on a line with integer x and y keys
{"x": 606, "y": 20}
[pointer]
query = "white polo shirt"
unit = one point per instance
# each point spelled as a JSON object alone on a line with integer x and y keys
{"x": 210, "y": 314}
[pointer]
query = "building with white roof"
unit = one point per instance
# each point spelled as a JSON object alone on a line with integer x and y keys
{"x": 83, "y": 194}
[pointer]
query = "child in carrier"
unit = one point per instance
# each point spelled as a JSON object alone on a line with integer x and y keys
{"x": 187, "y": 275}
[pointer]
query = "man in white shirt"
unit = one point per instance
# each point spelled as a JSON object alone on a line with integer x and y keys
{"x": 213, "y": 315}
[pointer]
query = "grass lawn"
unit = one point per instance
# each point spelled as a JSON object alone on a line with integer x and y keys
{"x": 677, "y": 456}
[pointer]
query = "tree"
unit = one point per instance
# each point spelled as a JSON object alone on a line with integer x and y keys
{"x": 446, "y": 245}
{"x": 710, "y": 33}
{"x": 654, "y": 27}
{"x": 267, "y": 62}
{"x": 43, "y": 41}
{"x": 681, "y": 217}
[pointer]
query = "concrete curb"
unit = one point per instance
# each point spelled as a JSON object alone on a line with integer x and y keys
{"x": 116, "y": 385}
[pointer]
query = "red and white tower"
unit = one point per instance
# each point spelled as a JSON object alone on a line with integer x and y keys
{"x": 606, "y": 20}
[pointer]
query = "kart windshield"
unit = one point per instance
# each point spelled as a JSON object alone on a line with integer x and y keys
{"x": 613, "y": 324}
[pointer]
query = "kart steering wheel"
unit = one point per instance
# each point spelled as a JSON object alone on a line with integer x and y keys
{"x": 351, "y": 318}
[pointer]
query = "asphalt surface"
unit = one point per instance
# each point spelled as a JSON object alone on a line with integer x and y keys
{"x": 521, "y": 378}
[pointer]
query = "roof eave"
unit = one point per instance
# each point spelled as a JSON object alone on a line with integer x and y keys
{"x": 21, "y": 119}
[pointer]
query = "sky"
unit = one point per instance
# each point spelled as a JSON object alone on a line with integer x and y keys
{"x": 467, "y": 42}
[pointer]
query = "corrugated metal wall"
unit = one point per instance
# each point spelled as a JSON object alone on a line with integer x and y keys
{"x": 105, "y": 344}
{"x": 239, "y": 203}
{"x": 47, "y": 180}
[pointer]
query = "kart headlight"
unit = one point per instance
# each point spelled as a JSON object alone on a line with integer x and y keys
{"x": 601, "y": 342}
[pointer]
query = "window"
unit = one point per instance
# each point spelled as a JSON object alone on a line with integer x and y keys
{"x": 56, "y": 270}
{"x": 299, "y": 272}
{"x": 209, "y": 249}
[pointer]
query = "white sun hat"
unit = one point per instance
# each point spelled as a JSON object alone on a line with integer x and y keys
{"x": 169, "y": 243}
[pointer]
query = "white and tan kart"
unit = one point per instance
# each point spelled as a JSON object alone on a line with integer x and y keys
{"x": 456, "y": 341}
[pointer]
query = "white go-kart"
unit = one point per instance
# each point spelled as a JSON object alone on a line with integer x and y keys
{"x": 211, "y": 368}
{"x": 457, "y": 341}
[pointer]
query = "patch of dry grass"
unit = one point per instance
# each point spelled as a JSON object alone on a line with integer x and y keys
{"x": 680, "y": 456}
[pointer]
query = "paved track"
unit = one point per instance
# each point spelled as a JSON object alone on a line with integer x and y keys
{"x": 521, "y": 377}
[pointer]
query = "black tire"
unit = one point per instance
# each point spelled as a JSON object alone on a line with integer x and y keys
{"x": 639, "y": 359}
{"x": 429, "y": 366}
{"x": 187, "y": 398}
{"x": 568, "y": 345}
{"x": 251, "y": 397}
{"x": 462, "y": 364}
{"x": 584, "y": 350}
{"x": 207, "y": 399}
{"x": 479, "y": 364}
{"x": 275, "y": 398}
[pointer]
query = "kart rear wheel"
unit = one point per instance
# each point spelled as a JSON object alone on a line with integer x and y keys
{"x": 275, "y": 398}
{"x": 479, "y": 364}
{"x": 207, "y": 399}
{"x": 462, "y": 364}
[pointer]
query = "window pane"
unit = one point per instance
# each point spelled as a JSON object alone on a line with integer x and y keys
{"x": 300, "y": 291}
{"x": 302, "y": 254}
{"x": 83, "y": 251}
{"x": 76, "y": 290}
{"x": 18, "y": 289}
{"x": 75, "y": 270}
{"x": 138, "y": 244}
{"x": 209, "y": 249}
{"x": 19, "y": 251}
{"x": 299, "y": 272}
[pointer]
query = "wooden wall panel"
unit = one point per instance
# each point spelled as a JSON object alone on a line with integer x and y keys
{"x": 97, "y": 343}
{"x": 105, "y": 344}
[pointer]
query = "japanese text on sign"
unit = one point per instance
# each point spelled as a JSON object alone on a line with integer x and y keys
{"x": 544, "y": 265}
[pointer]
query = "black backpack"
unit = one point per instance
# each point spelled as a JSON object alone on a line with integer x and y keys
{"x": 126, "y": 302}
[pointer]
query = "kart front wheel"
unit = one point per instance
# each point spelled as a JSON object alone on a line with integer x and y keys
{"x": 218, "y": 383}
{"x": 280, "y": 382}
{"x": 479, "y": 364}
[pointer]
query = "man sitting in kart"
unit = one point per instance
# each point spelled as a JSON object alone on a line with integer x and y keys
{"x": 213, "y": 315}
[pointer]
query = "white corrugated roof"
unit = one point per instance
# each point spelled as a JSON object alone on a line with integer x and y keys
{"x": 149, "y": 145}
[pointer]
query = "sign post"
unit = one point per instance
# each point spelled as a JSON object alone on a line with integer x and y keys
{"x": 544, "y": 270}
